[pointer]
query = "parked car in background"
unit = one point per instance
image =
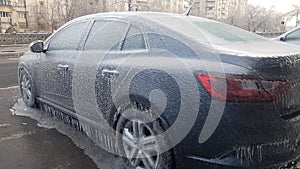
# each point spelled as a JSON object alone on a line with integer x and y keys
{"x": 292, "y": 36}
{"x": 243, "y": 88}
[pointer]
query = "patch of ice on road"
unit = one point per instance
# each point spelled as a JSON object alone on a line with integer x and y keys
{"x": 20, "y": 109}
{"x": 13, "y": 111}
{"x": 102, "y": 159}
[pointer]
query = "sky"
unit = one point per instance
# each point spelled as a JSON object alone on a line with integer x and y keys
{"x": 279, "y": 5}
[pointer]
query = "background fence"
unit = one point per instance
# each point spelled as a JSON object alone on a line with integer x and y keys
{"x": 270, "y": 34}
{"x": 21, "y": 38}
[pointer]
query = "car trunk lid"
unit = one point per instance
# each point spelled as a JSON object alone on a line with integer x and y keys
{"x": 271, "y": 61}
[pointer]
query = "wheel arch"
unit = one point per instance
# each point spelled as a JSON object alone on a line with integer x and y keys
{"x": 135, "y": 104}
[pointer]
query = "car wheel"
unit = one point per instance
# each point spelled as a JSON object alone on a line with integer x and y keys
{"x": 27, "y": 89}
{"x": 138, "y": 145}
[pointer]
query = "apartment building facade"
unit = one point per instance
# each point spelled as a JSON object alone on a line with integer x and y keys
{"x": 228, "y": 8}
{"x": 174, "y": 6}
{"x": 13, "y": 16}
{"x": 218, "y": 9}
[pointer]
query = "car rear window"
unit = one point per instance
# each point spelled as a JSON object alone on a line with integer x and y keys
{"x": 226, "y": 32}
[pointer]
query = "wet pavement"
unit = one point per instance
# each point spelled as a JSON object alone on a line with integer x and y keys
{"x": 9, "y": 56}
{"x": 23, "y": 144}
{"x": 9, "y": 51}
{"x": 8, "y": 72}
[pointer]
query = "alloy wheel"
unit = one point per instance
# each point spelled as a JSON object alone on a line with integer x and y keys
{"x": 140, "y": 145}
{"x": 26, "y": 89}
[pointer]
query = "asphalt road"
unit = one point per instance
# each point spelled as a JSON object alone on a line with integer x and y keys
{"x": 8, "y": 64}
{"x": 8, "y": 72}
{"x": 23, "y": 144}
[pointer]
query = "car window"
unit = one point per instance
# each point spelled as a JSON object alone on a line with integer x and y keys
{"x": 294, "y": 35}
{"x": 134, "y": 40}
{"x": 68, "y": 38}
{"x": 106, "y": 35}
{"x": 170, "y": 44}
{"x": 227, "y": 32}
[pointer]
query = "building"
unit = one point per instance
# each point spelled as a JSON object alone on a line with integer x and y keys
{"x": 226, "y": 9}
{"x": 38, "y": 16}
{"x": 174, "y": 6}
{"x": 177, "y": 6}
{"x": 13, "y": 16}
{"x": 218, "y": 9}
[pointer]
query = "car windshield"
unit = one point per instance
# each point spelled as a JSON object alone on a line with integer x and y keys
{"x": 226, "y": 32}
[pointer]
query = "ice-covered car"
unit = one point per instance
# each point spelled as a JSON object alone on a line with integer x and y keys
{"x": 292, "y": 36}
{"x": 170, "y": 91}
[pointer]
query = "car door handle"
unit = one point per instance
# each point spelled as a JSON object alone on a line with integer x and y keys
{"x": 109, "y": 73}
{"x": 63, "y": 67}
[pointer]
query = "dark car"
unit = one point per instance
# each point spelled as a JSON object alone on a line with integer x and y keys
{"x": 292, "y": 36}
{"x": 169, "y": 91}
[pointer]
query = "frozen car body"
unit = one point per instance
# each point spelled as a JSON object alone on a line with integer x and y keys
{"x": 292, "y": 36}
{"x": 256, "y": 130}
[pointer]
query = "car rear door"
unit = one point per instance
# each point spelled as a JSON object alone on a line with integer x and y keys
{"x": 57, "y": 64}
{"x": 114, "y": 69}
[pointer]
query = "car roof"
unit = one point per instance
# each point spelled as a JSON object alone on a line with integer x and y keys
{"x": 149, "y": 15}
{"x": 163, "y": 21}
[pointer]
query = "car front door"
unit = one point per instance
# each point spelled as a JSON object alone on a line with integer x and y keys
{"x": 106, "y": 47}
{"x": 57, "y": 64}
{"x": 104, "y": 39}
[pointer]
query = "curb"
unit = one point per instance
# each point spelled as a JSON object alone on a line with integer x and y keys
{"x": 15, "y": 45}
{"x": 6, "y": 55}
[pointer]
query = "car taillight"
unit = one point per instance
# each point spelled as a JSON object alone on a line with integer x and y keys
{"x": 243, "y": 89}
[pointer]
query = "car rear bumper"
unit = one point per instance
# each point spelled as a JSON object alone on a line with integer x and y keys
{"x": 260, "y": 156}
{"x": 248, "y": 136}
{"x": 196, "y": 162}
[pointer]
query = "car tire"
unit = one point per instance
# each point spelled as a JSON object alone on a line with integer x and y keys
{"x": 124, "y": 127}
{"x": 27, "y": 88}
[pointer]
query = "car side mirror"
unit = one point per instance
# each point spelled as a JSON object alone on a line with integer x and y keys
{"x": 37, "y": 47}
{"x": 282, "y": 38}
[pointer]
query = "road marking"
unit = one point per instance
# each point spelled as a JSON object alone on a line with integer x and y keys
{"x": 7, "y": 88}
{"x": 4, "y": 125}
{"x": 16, "y": 136}
{"x": 13, "y": 58}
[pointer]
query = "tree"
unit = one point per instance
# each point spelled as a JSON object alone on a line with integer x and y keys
{"x": 57, "y": 12}
{"x": 255, "y": 19}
